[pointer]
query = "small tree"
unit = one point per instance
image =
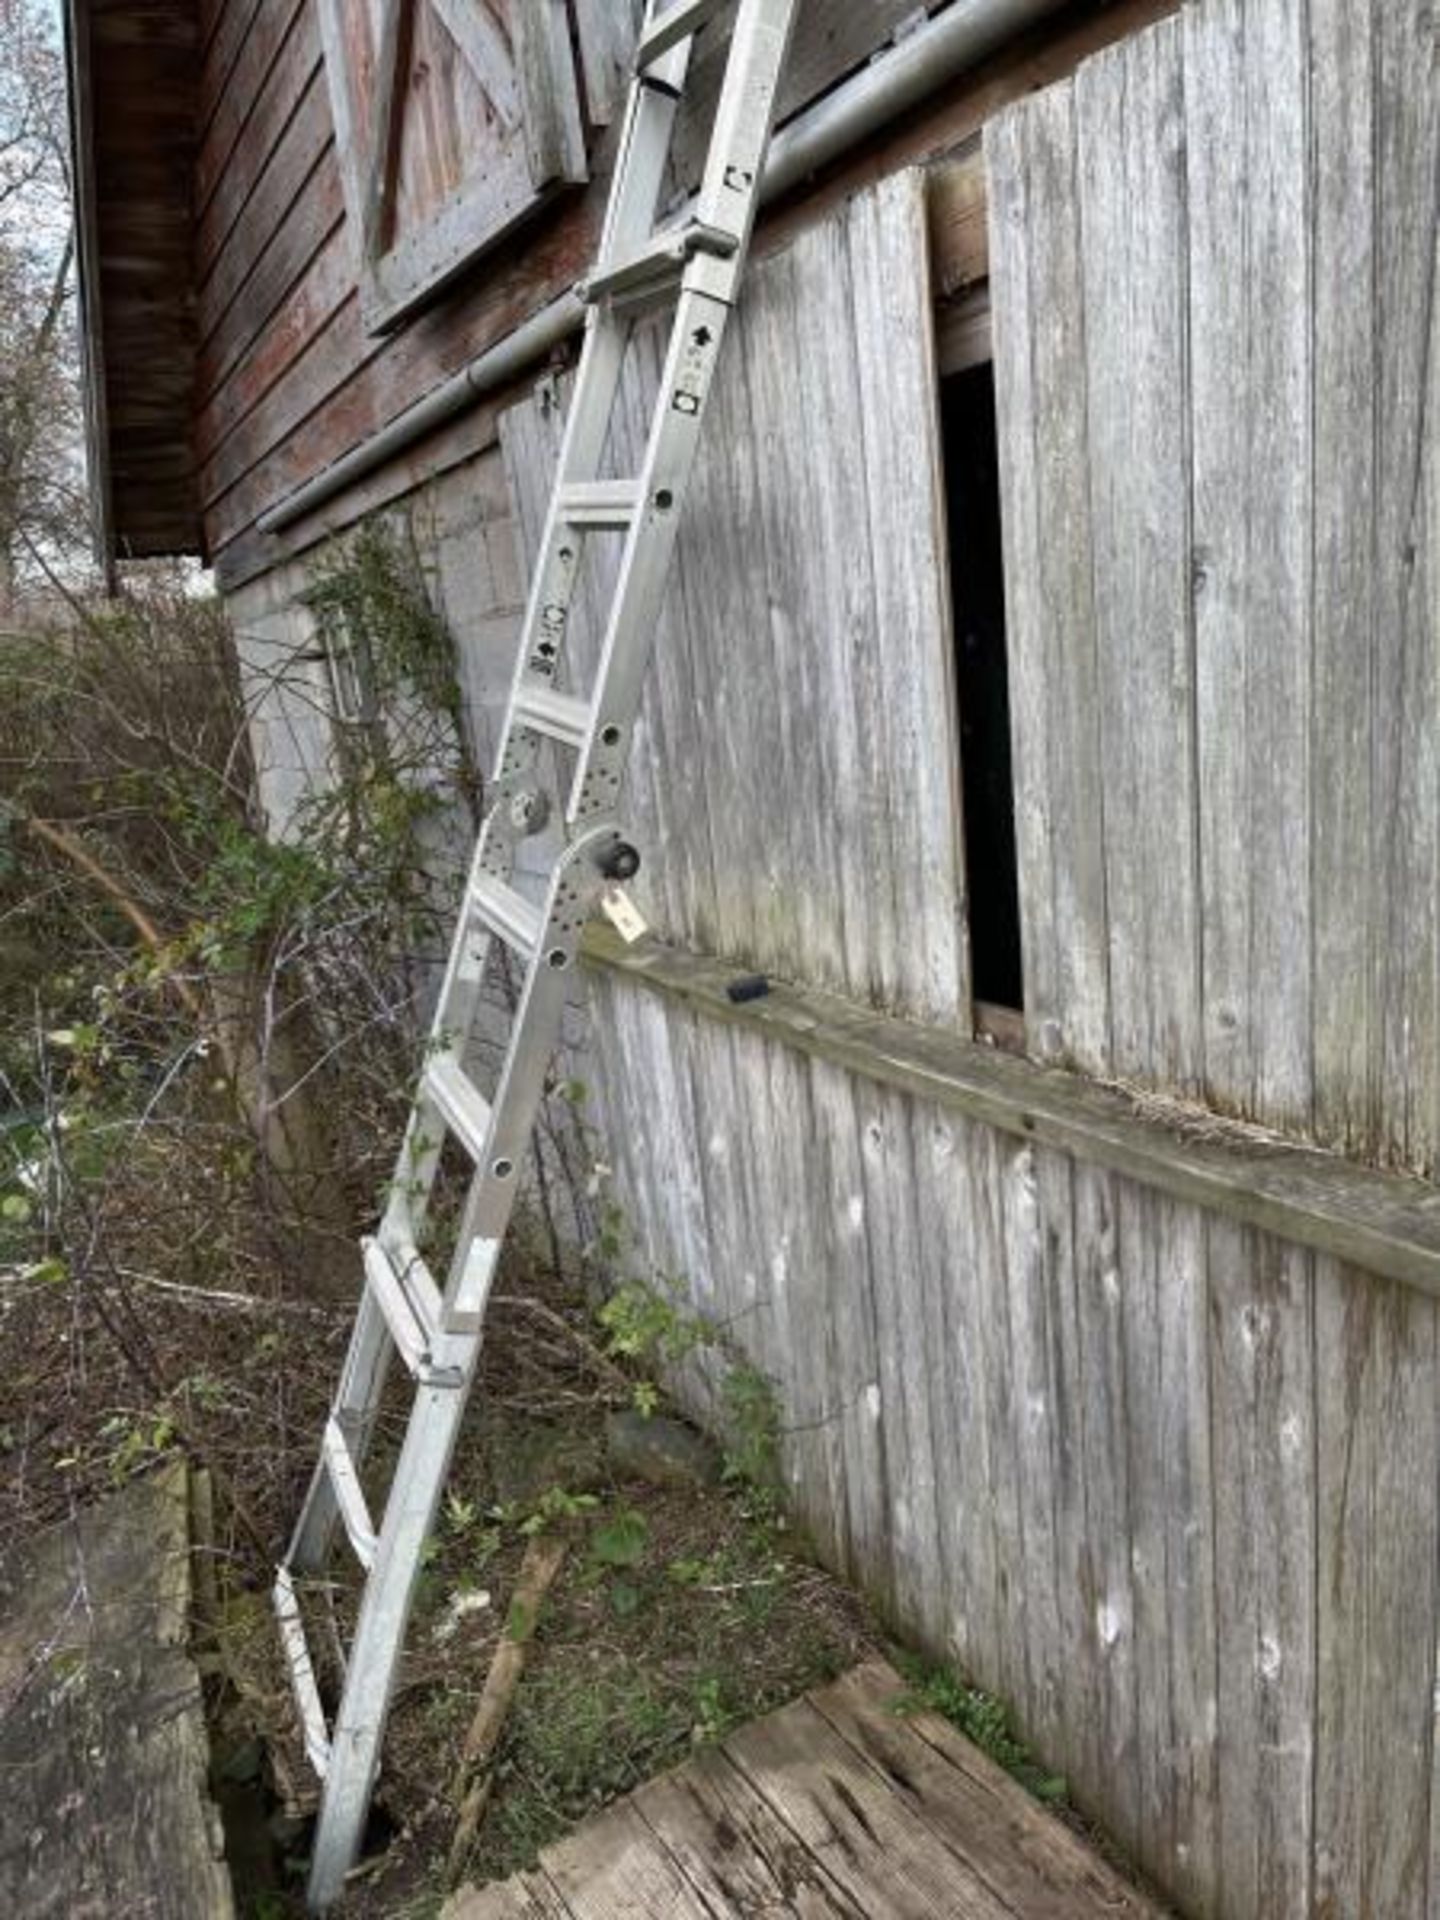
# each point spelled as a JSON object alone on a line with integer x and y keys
{"x": 43, "y": 515}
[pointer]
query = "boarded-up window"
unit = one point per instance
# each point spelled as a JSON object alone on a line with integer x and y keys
{"x": 454, "y": 119}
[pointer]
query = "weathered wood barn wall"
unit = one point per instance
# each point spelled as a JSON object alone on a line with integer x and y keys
{"x": 1135, "y": 1415}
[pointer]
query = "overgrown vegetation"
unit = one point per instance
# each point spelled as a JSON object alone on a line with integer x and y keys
{"x": 208, "y": 1037}
{"x": 209, "y": 1032}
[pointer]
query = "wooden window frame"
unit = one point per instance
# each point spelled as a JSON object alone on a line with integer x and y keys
{"x": 543, "y": 149}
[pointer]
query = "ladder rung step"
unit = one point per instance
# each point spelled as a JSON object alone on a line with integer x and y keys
{"x": 559, "y": 715}
{"x": 662, "y": 257}
{"x": 349, "y": 1494}
{"x": 302, "y": 1674}
{"x": 677, "y": 23}
{"x": 462, "y": 1106}
{"x": 608, "y": 504}
{"x": 507, "y": 913}
{"x": 402, "y": 1316}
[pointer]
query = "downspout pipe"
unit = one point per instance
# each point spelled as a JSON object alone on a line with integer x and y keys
{"x": 919, "y": 64}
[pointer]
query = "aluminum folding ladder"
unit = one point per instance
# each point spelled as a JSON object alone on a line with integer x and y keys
{"x": 695, "y": 263}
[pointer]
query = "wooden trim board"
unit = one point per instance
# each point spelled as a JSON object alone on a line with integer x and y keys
{"x": 1387, "y": 1223}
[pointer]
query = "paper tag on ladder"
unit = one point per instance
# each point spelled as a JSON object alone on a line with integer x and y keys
{"x": 623, "y": 914}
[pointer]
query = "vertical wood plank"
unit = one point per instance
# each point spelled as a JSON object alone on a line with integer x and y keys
{"x": 1162, "y": 1247}
{"x": 1033, "y": 1418}
{"x": 1404, "y": 1600}
{"x": 848, "y": 663}
{"x": 729, "y": 1203}
{"x": 1131, "y": 146}
{"x": 1261, "y": 1300}
{"x": 1376, "y": 1594}
{"x": 891, "y": 303}
{"x": 1010, "y": 1666}
{"x": 726, "y": 611}
{"x": 1346, "y": 1438}
{"x": 898, "y": 1293}
{"x": 803, "y": 922}
{"x": 800, "y": 1282}
{"x": 1070, "y": 1735}
{"x": 1246, "y": 149}
{"x": 1407, "y": 578}
{"x": 947, "y": 1156}
{"x": 1344, "y": 356}
{"x": 846, "y": 1239}
{"x": 1041, "y": 404}
{"x": 1108, "y": 1572}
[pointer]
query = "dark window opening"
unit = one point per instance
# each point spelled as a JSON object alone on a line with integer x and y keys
{"x": 977, "y": 587}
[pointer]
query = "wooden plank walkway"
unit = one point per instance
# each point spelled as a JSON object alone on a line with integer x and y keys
{"x": 104, "y": 1808}
{"x": 833, "y": 1806}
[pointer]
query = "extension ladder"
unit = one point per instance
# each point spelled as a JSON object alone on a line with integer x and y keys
{"x": 696, "y": 263}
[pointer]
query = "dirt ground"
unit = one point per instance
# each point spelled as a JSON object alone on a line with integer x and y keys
{"x": 680, "y": 1610}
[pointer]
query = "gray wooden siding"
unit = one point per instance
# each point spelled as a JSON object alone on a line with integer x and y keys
{"x": 794, "y": 768}
{"x": 1164, "y": 1482}
{"x": 1213, "y": 259}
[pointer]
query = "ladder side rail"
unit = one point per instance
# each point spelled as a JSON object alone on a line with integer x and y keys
{"x": 730, "y": 193}
{"x": 730, "y": 189}
{"x": 456, "y": 1006}
{"x": 574, "y": 888}
{"x": 699, "y": 326}
{"x": 375, "y": 1653}
{"x": 552, "y": 590}
{"x": 629, "y": 215}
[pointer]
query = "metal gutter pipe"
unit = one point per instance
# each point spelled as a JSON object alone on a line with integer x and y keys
{"x": 917, "y": 65}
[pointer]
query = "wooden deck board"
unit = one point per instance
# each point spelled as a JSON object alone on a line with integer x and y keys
{"x": 835, "y": 1806}
{"x": 103, "y": 1751}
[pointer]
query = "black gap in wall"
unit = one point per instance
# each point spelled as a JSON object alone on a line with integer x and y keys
{"x": 977, "y": 586}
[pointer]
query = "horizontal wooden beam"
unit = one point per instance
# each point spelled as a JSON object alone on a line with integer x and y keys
{"x": 1385, "y": 1222}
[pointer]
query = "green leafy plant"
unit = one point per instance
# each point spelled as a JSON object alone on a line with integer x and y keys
{"x": 713, "y": 1716}
{"x": 621, "y": 1540}
{"x": 981, "y": 1717}
{"x": 555, "y": 1507}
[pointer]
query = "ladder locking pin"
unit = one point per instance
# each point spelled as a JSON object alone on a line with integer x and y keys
{"x": 622, "y": 862}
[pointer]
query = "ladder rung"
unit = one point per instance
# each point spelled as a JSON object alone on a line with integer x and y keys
{"x": 349, "y": 1494}
{"x": 598, "y": 503}
{"x": 677, "y": 23}
{"x": 507, "y": 913}
{"x": 302, "y": 1674}
{"x": 559, "y": 715}
{"x": 407, "y": 1328}
{"x": 462, "y": 1106}
{"x": 662, "y": 258}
